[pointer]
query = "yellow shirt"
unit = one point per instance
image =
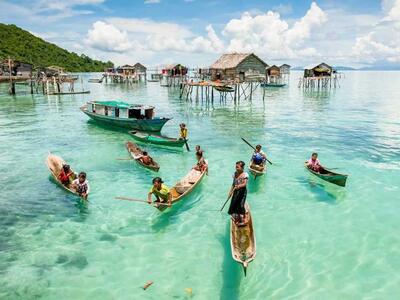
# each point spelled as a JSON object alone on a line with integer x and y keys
{"x": 163, "y": 193}
{"x": 184, "y": 133}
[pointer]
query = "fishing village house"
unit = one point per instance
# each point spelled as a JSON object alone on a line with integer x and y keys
{"x": 238, "y": 66}
{"x": 319, "y": 76}
{"x": 15, "y": 68}
{"x": 277, "y": 75}
{"x": 174, "y": 74}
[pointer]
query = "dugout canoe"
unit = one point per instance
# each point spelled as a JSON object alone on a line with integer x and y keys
{"x": 256, "y": 172}
{"x": 184, "y": 186}
{"x": 136, "y": 153}
{"x": 330, "y": 176}
{"x": 243, "y": 241}
{"x": 54, "y": 164}
{"x": 156, "y": 139}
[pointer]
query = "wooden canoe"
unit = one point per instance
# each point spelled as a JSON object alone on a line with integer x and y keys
{"x": 243, "y": 241}
{"x": 224, "y": 88}
{"x": 256, "y": 172}
{"x": 136, "y": 152}
{"x": 54, "y": 164}
{"x": 156, "y": 139}
{"x": 184, "y": 186}
{"x": 330, "y": 176}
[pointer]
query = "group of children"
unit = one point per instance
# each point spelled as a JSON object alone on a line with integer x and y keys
{"x": 78, "y": 183}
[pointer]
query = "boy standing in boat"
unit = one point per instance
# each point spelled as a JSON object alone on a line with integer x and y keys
{"x": 238, "y": 192}
{"x": 161, "y": 191}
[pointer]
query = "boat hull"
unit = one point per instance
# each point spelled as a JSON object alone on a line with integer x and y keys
{"x": 243, "y": 241}
{"x": 157, "y": 139}
{"x": 273, "y": 85}
{"x": 152, "y": 125}
{"x": 134, "y": 150}
{"x": 332, "y": 177}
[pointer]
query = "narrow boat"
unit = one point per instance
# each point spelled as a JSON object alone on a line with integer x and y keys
{"x": 184, "y": 186}
{"x": 156, "y": 139}
{"x": 243, "y": 241}
{"x": 256, "y": 172}
{"x": 330, "y": 176}
{"x": 96, "y": 80}
{"x": 224, "y": 88}
{"x": 136, "y": 152}
{"x": 122, "y": 114}
{"x": 264, "y": 84}
{"x": 54, "y": 164}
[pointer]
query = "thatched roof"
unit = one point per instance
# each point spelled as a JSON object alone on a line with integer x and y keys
{"x": 318, "y": 66}
{"x": 232, "y": 60}
{"x": 273, "y": 67}
{"x": 139, "y": 65}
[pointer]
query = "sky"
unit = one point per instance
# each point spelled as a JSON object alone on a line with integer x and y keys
{"x": 356, "y": 33}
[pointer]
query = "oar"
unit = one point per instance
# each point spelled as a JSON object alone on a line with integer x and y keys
{"x": 138, "y": 200}
{"x": 229, "y": 197}
{"x": 255, "y": 149}
{"x": 187, "y": 146}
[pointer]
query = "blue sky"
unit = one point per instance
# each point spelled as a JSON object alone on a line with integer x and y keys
{"x": 354, "y": 33}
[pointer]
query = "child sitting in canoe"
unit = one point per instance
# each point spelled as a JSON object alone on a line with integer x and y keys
{"x": 201, "y": 162}
{"x": 146, "y": 159}
{"x": 258, "y": 159}
{"x": 81, "y": 185}
{"x": 160, "y": 191}
{"x": 313, "y": 163}
{"x": 66, "y": 175}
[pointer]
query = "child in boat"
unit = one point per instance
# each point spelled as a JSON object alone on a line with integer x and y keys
{"x": 238, "y": 192}
{"x": 81, "y": 185}
{"x": 183, "y": 131}
{"x": 258, "y": 159}
{"x": 313, "y": 163}
{"x": 198, "y": 149}
{"x": 66, "y": 175}
{"x": 146, "y": 159}
{"x": 201, "y": 162}
{"x": 161, "y": 191}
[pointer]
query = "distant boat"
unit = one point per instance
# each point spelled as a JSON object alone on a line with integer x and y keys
{"x": 264, "y": 84}
{"x": 224, "y": 88}
{"x": 122, "y": 114}
{"x": 95, "y": 80}
{"x": 157, "y": 139}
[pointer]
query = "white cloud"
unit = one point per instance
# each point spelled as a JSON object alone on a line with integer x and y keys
{"x": 151, "y": 1}
{"x": 382, "y": 42}
{"x": 269, "y": 35}
{"x": 107, "y": 37}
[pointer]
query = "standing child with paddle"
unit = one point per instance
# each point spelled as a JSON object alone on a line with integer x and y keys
{"x": 238, "y": 192}
{"x": 183, "y": 134}
{"x": 161, "y": 191}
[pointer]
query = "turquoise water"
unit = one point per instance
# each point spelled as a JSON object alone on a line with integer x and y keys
{"x": 314, "y": 240}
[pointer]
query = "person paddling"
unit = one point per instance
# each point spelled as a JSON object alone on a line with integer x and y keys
{"x": 239, "y": 194}
{"x": 258, "y": 159}
{"x": 183, "y": 131}
{"x": 201, "y": 162}
{"x": 146, "y": 159}
{"x": 313, "y": 163}
{"x": 160, "y": 191}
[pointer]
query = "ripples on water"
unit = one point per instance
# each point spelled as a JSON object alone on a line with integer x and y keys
{"x": 314, "y": 240}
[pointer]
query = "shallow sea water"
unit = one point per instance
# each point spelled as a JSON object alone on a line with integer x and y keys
{"x": 314, "y": 240}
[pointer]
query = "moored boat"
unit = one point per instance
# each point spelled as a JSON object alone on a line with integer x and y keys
{"x": 184, "y": 186}
{"x": 330, "y": 176}
{"x": 122, "y": 114}
{"x": 224, "y": 88}
{"x": 156, "y": 139}
{"x": 243, "y": 241}
{"x": 270, "y": 84}
{"x": 54, "y": 164}
{"x": 136, "y": 153}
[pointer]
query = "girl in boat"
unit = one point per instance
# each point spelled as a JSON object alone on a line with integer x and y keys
{"x": 66, "y": 175}
{"x": 313, "y": 163}
{"x": 201, "y": 162}
{"x": 161, "y": 191}
{"x": 183, "y": 131}
{"x": 238, "y": 192}
{"x": 258, "y": 159}
{"x": 81, "y": 185}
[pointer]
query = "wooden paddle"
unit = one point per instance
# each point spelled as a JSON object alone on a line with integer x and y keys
{"x": 255, "y": 149}
{"x": 229, "y": 197}
{"x": 139, "y": 200}
{"x": 186, "y": 144}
